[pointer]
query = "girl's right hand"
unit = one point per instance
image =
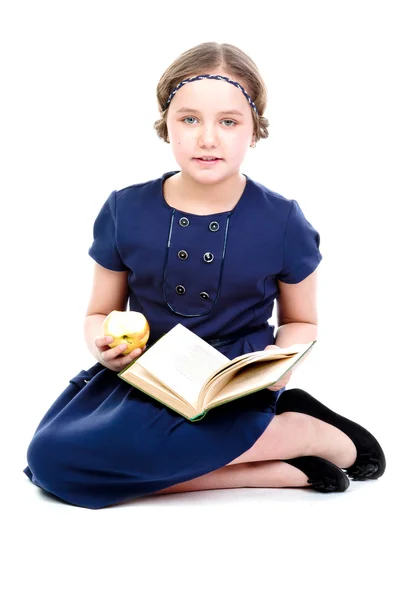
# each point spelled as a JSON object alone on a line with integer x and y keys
{"x": 112, "y": 358}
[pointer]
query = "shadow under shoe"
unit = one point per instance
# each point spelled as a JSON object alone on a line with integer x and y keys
{"x": 323, "y": 475}
{"x": 370, "y": 462}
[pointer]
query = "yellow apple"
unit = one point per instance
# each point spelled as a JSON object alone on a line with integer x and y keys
{"x": 127, "y": 327}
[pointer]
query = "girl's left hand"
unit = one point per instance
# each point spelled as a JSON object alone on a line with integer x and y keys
{"x": 284, "y": 380}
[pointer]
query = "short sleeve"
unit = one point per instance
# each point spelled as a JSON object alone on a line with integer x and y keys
{"x": 301, "y": 254}
{"x": 104, "y": 248}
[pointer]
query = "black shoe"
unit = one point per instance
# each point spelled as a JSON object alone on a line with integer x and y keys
{"x": 370, "y": 462}
{"x": 323, "y": 475}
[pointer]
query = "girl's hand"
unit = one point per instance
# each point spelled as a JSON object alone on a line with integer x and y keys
{"x": 284, "y": 380}
{"x": 112, "y": 358}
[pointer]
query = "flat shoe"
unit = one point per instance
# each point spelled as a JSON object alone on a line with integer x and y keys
{"x": 323, "y": 475}
{"x": 370, "y": 462}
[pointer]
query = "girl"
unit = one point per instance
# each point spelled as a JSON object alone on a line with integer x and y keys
{"x": 208, "y": 247}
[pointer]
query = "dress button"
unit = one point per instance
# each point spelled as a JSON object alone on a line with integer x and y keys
{"x": 183, "y": 221}
{"x": 208, "y": 257}
{"x": 213, "y": 226}
{"x": 180, "y": 289}
{"x": 204, "y": 295}
{"x": 183, "y": 254}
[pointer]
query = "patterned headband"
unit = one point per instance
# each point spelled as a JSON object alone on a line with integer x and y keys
{"x": 172, "y": 94}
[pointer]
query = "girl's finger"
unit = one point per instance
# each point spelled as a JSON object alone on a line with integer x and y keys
{"x": 124, "y": 361}
{"x": 128, "y": 358}
{"x": 103, "y": 342}
{"x": 112, "y": 353}
{"x": 118, "y": 350}
{"x": 137, "y": 352}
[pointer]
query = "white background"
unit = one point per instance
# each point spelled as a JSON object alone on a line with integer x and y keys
{"x": 78, "y": 107}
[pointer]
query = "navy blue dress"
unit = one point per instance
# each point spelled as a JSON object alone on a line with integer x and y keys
{"x": 102, "y": 441}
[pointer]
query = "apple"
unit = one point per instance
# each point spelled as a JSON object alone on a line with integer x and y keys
{"x": 127, "y": 327}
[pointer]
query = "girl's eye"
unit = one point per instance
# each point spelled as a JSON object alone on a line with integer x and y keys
{"x": 230, "y": 121}
{"x": 185, "y": 119}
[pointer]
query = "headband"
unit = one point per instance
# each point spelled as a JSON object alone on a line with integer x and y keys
{"x": 235, "y": 83}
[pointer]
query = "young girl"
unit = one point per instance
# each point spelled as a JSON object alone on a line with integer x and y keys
{"x": 211, "y": 248}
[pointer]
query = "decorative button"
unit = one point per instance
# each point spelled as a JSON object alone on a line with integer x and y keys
{"x": 204, "y": 295}
{"x": 180, "y": 289}
{"x": 213, "y": 226}
{"x": 183, "y": 254}
{"x": 183, "y": 221}
{"x": 208, "y": 257}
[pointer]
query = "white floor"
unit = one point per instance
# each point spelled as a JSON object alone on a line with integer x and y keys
{"x": 249, "y": 543}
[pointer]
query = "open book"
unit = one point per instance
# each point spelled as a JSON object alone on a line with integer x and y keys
{"x": 190, "y": 376}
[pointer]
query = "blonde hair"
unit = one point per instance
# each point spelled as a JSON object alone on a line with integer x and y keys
{"x": 211, "y": 55}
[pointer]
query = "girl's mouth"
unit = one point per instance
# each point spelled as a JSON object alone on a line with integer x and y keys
{"x": 208, "y": 161}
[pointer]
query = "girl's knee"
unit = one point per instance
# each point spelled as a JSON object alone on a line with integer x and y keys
{"x": 43, "y": 459}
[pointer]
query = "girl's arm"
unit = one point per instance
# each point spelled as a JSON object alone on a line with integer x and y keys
{"x": 110, "y": 291}
{"x": 297, "y": 312}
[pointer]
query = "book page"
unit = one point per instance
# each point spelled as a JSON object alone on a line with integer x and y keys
{"x": 252, "y": 378}
{"x": 182, "y": 361}
{"x": 261, "y": 356}
{"x": 272, "y": 354}
{"x": 140, "y": 378}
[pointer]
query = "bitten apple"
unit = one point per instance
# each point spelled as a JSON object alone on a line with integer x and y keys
{"x": 127, "y": 326}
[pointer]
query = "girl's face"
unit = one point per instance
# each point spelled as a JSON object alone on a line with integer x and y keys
{"x": 210, "y": 118}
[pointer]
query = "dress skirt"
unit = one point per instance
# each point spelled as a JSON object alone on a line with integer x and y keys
{"x": 103, "y": 441}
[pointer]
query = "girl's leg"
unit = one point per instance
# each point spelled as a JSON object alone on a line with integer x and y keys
{"x": 268, "y": 474}
{"x": 291, "y": 434}
{"x": 288, "y": 436}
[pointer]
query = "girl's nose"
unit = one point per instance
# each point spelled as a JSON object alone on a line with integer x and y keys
{"x": 208, "y": 137}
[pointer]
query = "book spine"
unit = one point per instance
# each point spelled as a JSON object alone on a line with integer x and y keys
{"x": 199, "y": 417}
